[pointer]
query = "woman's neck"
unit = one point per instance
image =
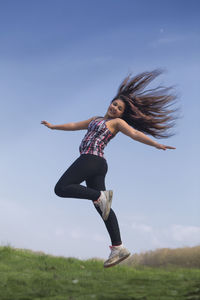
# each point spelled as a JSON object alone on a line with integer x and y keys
{"x": 106, "y": 117}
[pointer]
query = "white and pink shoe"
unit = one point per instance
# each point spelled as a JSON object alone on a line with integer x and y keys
{"x": 104, "y": 203}
{"x": 118, "y": 254}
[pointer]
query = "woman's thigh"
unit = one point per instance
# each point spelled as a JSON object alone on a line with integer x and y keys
{"x": 85, "y": 167}
{"x": 96, "y": 182}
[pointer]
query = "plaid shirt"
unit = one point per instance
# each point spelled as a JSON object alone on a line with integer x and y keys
{"x": 96, "y": 138}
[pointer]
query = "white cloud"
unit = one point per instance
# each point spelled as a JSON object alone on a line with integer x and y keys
{"x": 9, "y": 208}
{"x": 173, "y": 39}
{"x": 143, "y": 237}
{"x": 188, "y": 234}
{"x": 59, "y": 232}
{"x": 75, "y": 234}
{"x": 142, "y": 227}
{"x": 99, "y": 238}
{"x": 55, "y": 233}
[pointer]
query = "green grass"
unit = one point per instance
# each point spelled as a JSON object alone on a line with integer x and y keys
{"x": 28, "y": 275}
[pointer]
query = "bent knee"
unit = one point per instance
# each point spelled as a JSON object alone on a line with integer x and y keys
{"x": 57, "y": 190}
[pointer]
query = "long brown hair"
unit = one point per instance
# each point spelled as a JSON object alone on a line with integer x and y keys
{"x": 148, "y": 110}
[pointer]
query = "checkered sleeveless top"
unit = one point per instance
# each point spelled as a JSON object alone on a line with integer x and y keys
{"x": 96, "y": 138}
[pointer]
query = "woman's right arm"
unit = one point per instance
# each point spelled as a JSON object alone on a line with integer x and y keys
{"x": 69, "y": 126}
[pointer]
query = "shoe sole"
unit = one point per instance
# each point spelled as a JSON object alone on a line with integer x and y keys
{"x": 107, "y": 212}
{"x": 118, "y": 261}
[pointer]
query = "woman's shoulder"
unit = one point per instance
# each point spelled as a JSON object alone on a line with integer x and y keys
{"x": 117, "y": 121}
{"x": 116, "y": 124}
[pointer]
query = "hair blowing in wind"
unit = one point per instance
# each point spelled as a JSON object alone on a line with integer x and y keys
{"x": 149, "y": 110}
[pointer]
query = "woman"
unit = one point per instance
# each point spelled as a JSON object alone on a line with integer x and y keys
{"x": 133, "y": 112}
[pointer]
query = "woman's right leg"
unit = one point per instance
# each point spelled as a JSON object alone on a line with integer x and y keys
{"x": 69, "y": 185}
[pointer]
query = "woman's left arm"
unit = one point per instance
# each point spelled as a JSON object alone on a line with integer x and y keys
{"x": 138, "y": 135}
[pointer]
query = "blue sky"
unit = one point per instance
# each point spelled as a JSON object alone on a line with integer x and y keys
{"x": 63, "y": 61}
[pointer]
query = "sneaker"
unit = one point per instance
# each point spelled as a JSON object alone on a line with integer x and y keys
{"x": 118, "y": 253}
{"x": 104, "y": 203}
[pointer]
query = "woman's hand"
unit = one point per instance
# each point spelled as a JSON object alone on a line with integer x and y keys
{"x": 49, "y": 125}
{"x": 164, "y": 147}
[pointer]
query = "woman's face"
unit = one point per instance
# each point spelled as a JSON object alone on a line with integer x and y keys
{"x": 116, "y": 109}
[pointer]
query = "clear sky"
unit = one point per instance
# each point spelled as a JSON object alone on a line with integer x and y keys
{"x": 63, "y": 61}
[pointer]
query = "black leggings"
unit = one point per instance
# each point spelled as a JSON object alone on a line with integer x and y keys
{"x": 92, "y": 169}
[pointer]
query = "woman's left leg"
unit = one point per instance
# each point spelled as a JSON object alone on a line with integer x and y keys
{"x": 118, "y": 251}
{"x": 98, "y": 183}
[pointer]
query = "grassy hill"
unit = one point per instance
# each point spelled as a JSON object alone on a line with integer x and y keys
{"x": 188, "y": 257}
{"x": 27, "y": 275}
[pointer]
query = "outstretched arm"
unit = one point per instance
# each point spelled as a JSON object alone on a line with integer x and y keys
{"x": 69, "y": 126}
{"x": 138, "y": 135}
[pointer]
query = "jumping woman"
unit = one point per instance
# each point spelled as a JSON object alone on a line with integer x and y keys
{"x": 134, "y": 112}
